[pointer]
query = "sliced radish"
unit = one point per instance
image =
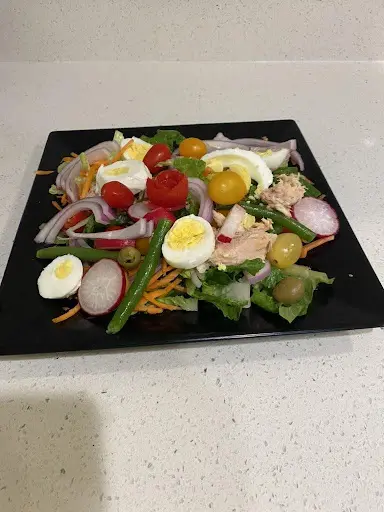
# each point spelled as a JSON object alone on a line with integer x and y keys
{"x": 102, "y": 288}
{"x": 231, "y": 224}
{"x": 138, "y": 210}
{"x": 317, "y": 215}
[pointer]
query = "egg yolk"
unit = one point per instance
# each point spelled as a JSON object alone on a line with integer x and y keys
{"x": 267, "y": 152}
{"x": 185, "y": 235}
{"x": 137, "y": 151}
{"x": 64, "y": 269}
{"x": 116, "y": 172}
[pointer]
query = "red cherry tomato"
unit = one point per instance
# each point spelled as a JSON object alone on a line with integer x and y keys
{"x": 158, "y": 214}
{"x": 117, "y": 195}
{"x": 168, "y": 189}
{"x": 78, "y": 217}
{"x": 158, "y": 153}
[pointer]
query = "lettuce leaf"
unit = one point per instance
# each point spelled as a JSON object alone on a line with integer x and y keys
{"x": 230, "y": 299}
{"x": 168, "y": 137}
{"x": 232, "y": 272}
{"x": 55, "y": 191}
{"x": 263, "y": 298}
{"x": 118, "y": 137}
{"x": 307, "y": 273}
{"x": 191, "y": 167}
{"x": 187, "y": 304}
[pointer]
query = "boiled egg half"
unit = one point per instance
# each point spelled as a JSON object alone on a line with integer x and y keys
{"x": 61, "y": 278}
{"x": 189, "y": 243}
{"x": 274, "y": 158}
{"x": 249, "y": 165}
{"x": 131, "y": 173}
{"x": 136, "y": 150}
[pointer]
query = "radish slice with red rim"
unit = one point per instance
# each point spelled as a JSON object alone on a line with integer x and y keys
{"x": 102, "y": 288}
{"x": 316, "y": 215}
{"x": 231, "y": 224}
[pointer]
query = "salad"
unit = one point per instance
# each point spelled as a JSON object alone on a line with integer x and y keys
{"x": 154, "y": 224}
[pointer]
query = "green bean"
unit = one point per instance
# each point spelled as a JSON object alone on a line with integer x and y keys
{"x": 287, "y": 222}
{"x": 143, "y": 276}
{"x": 83, "y": 254}
{"x": 286, "y": 170}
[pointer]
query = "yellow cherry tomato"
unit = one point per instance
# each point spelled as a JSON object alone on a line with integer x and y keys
{"x": 142, "y": 245}
{"x": 192, "y": 147}
{"x": 226, "y": 187}
{"x": 285, "y": 251}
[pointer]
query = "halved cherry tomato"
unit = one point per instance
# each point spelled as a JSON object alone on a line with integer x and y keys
{"x": 158, "y": 214}
{"x": 158, "y": 153}
{"x": 168, "y": 189}
{"x": 117, "y": 195}
{"x": 78, "y": 217}
{"x": 192, "y": 147}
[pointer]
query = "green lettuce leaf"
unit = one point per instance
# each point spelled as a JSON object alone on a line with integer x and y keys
{"x": 300, "y": 308}
{"x": 191, "y": 167}
{"x": 230, "y": 299}
{"x": 187, "y": 304}
{"x": 232, "y": 273}
{"x": 273, "y": 279}
{"x": 118, "y": 137}
{"x": 61, "y": 166}
{"x": 168, "y": 137}
{"x": 307, "y": 273}
{"x": 263, "y": 298}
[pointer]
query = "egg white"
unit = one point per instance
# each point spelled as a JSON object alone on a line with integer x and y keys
{"x": 252, "y": 162}
{"x": 131, "y": 173}
{"x": 138, "y": 149}
{"x": 52, "y": 287}
{"x": 190, "y": 257}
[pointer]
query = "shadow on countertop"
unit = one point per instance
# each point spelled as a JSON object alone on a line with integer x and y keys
{"x": 49, "y": 453}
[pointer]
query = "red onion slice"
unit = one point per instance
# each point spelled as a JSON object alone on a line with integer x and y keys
{"x": 317, "y": 215}
{"x": 66, "y": 178}
{"x": 231, "y": 224}
{"x": 138, "y": 230}
{"x": 213, "y": 145}
{"x": 297, "y": 160}
{"x": 52, "y": 228}
{"x": 260, "y": 275}
{"x": 138, "y": 210}
{"x": 199, "y": 190}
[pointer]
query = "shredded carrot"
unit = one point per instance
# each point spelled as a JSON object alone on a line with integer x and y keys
{"x": 164, "y": 291}
{"x": 307, "y": 179}
{"x": 68, "y": 314}
{"x": 207, "y": 171}
{"x": 155, "y": 277}
{"x": 316, "y": 243}
{"x": 67, "y": 159}
{"x": 64, "y": 199}
{"x": 122, "y": 151}
{"x": 75, "y": 155}
{"x": 164, "y": 266}
{"x": 44, "y": 173}
{"x": 152, "y": 310}
{"x": 162, "y": 282}
{"x": 321, "y": 197}
{"x": 180, "y": 288}
{"x": 88, "y": 181}
{"x": 56, "y": 205}
{"x": 150, "y": 298}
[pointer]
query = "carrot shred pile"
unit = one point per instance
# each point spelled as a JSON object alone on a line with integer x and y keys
{"x": 88, "y": 180}
{"x": 56, "y": 205}
{"x": 163, "y": 282}
{"x": 316, "y": 243}
{"x": 68, "y": 314}
{"x": 43, "y": 173}
{"x": 64, "y": 199}
{"x": 122, "y": 151}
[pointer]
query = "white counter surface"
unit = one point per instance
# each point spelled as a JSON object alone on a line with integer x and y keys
{"x": 293, "y": 424}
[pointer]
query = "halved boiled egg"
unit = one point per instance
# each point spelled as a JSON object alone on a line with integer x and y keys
{"x": 189, "y": 243}
{"x": 61, "y": 278}
{"x": 136, "y": 150}
{"x": 247, "y": 164}
{"x": 131, "y": 173}
{"x": 274, "y": 158}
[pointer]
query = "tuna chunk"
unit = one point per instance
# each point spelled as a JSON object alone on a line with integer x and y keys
{"x": 247, "y": 245}
{"x": 287, "y": 192}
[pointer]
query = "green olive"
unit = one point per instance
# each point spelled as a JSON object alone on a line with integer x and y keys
{"x": 129, "y": 257}
{"x": 289, "y": 290}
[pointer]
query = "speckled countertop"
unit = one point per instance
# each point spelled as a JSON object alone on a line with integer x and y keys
{"x": 285, "y": 425}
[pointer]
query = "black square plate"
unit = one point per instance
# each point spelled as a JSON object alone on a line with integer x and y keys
{"x": 355, "y": 301}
